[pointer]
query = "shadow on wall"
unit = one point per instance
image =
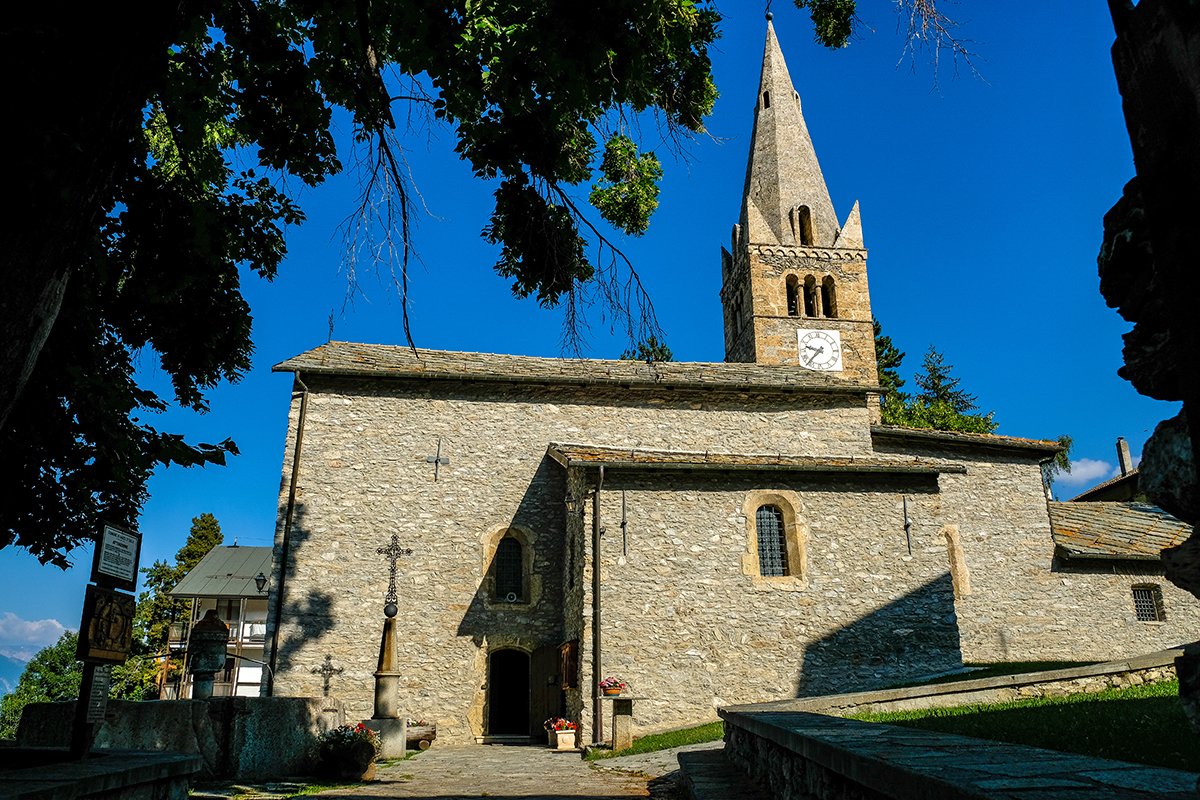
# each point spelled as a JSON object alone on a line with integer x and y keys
{"x": 912, "y": 636}
{"x": 517, "y": 612}
{"x": 540, "y": 511}
{"x": 311, "y": 612}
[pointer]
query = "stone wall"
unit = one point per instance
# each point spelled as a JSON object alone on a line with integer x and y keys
{"x": 1119, "y": 674}
{"x": 691, "y": 630}
{"x": 364, "y": 476}
{"x": 1023, "y": 604}
{"x": 817, "y": 757}
{"x": 253, "y": 738}
{"x": 686, "y": 616}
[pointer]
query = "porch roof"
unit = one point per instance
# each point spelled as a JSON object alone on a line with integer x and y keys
{"x": 589, "y": 455}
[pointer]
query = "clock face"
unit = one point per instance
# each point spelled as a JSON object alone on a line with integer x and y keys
{"x": 821, "y": 350}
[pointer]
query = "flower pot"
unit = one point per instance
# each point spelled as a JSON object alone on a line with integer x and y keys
{"x": 356, "y": 762}
{"x": 565, "y": 740}
{"x": 610, "y": 691}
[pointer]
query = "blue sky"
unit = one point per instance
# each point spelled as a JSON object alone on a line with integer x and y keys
{"x": 981, "y": 203}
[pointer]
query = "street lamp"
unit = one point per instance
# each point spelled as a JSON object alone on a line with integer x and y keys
{"x": 260, "y": 581}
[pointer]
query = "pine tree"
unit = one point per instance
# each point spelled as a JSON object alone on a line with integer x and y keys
{"x": 649, "y": 349}
{"x": 888, "y": 358}
{"x": 942, "y": 403}
{"x": 937, "y": 386}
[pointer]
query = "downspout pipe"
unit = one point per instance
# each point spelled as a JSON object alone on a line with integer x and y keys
{"x": 288, "y": 516}
{"x": 597, "y": 703}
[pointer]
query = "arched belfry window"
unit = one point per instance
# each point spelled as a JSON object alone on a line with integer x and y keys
{"x": 801, "y": 221}
{"x": 810, "y": 296}
{"x": 793, "y": 295}
{"x": 772, "y": 542}
{"x": 828, "y": 298}
{"x": 509, "y": 571}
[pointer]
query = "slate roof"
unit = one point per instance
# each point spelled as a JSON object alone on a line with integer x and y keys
{"x": 923, "y": 436}
{"x": 1114, "y": 531}
{"x": 1111, "y": 483}
{"x": 226, "y": 572}
{"x": 351, "y": 359}
{"x": 573, "y": 455}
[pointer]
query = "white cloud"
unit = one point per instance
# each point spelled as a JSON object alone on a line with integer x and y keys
{"x": 1086, "y": 471}
{"x": 22, "y": 638}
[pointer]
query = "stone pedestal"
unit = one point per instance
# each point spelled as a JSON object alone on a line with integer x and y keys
{"x": 387, "y": 679}
{"x": 393, "y": 736}
{"x": 622, "y": 720}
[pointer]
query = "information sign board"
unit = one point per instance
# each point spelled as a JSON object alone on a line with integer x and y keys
{"x": 97, "y": 700}
{"x": 115, "y": 562}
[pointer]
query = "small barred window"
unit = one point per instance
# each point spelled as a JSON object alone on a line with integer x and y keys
{"x": 772, "y": 546}
{"x": 509, "y": 571}
{"x": 1148, "y": 603}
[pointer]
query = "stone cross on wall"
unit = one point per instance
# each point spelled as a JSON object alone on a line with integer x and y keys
{"x": 327, "y": 670}
{"x": 393, "y": 552}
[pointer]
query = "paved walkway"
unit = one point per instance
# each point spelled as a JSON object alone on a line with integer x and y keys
{"x": 447, "y": 772}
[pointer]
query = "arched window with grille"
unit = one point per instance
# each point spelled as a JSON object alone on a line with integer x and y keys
{"x": 810, "y": 296}
{"x": 772, "y": 542}
{"x": 509, "y": 571}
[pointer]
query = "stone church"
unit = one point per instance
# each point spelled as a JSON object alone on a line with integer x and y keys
{"x": 713, "y": 533}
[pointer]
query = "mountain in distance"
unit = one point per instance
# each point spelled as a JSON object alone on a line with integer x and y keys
{"x": 10, "y": 672}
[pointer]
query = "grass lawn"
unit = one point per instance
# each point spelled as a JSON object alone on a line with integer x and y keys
{"x": 1143, "y": 724}
{"x": 665, "y": 741}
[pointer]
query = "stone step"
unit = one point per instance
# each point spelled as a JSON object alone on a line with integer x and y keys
{"x": 708, "y": 775}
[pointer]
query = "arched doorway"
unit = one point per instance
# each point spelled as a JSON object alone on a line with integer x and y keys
{"x": 508, "y": 693}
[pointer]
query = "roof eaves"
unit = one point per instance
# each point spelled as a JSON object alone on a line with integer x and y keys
{"x": 981, "y": 441}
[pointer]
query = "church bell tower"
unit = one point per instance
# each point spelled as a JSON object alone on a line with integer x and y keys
{"x": 794, "y": 282}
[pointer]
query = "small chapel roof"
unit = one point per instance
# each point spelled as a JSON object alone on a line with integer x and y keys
{"x": 351, "y": 359}
{"x": 226, "y": 572}
{"x": 1114, "y": 531}
{"x": 574, "y": 455}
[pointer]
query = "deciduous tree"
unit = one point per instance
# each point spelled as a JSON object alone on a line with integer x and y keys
{"x": 160, "y": 146}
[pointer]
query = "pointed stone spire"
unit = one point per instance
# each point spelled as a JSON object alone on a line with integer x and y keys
{"x": 851, "y": 234}
{"x": 785, "y": 199}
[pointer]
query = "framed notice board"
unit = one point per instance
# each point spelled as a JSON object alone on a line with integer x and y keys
{"x": 115, "y": 562}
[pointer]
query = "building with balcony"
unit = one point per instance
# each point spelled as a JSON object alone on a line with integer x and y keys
{"x": 231, "y": 580}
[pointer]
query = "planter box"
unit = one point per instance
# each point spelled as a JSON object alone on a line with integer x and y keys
{"x": 565, "y": 740}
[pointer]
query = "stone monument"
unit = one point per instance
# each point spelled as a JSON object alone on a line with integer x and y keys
{"x": 386, "y": 721}
{"x": 206, "y": 653}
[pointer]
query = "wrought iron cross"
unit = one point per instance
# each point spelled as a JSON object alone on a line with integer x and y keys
{"x": 393, "y": 552}
{"x": 327, "y": 670}
{"x": 437, "y": 460}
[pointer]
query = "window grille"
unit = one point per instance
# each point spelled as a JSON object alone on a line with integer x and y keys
{"x": 509, "y": 570}
{"x": 772, "y": 546}
{"x": 1148, "y": 603}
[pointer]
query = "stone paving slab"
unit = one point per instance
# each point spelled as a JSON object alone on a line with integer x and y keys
{"x": 467, "y": 772}
{"x": 904, "y": 762}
